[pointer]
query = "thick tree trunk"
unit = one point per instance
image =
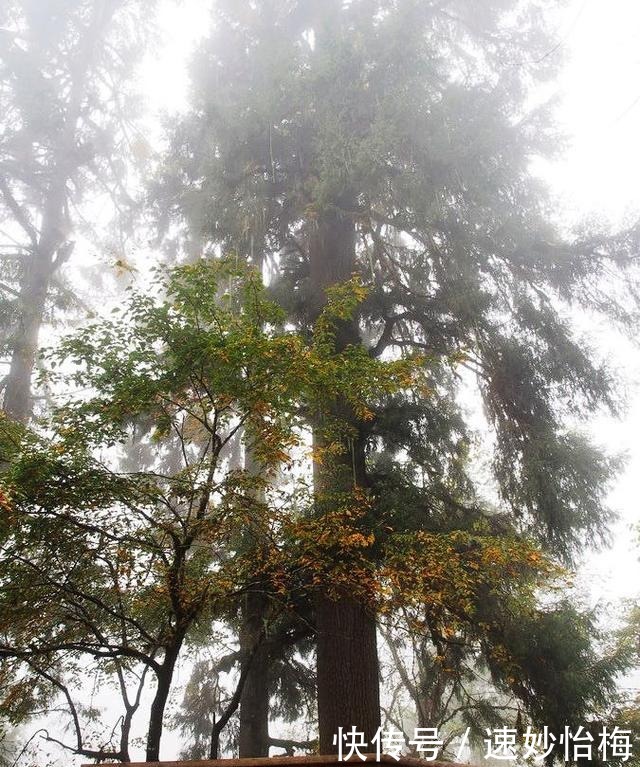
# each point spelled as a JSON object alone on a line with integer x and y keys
{"x": 347, "y": 659}
{"x": 348, "y": 689}
{"x": 254, "y": 704}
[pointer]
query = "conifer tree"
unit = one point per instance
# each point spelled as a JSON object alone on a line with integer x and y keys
{"x": 394, "y": 139}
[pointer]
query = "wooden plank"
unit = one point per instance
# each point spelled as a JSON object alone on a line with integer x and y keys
{"x": 285, "y": 761}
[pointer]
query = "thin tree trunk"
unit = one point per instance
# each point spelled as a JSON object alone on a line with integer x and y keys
{"x": 50, "y": 245}
{"x": 33, "y": 295}
{"x": 253, "y": 738}
{"x": 35, "y": 283}
{"x": 156, "y": 715}
{"x": 125, "y": 735}
{"x": 347, "y": 658}
{"x": 233, "y": 704}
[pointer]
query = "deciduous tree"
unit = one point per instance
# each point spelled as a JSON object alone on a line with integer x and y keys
{"x": 108, "y": 569}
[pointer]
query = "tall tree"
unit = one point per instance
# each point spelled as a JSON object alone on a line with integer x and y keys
{"x": 394, "y": 139}
{"x": 66, "y": 67}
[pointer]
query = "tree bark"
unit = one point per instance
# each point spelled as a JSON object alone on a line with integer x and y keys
{"x": 33, "y": 295}
{"x": 348, "y": 687}
{"x": 347, "y": 658}
{"x": 156, "y": 715}
{"x": 253, "y": 738}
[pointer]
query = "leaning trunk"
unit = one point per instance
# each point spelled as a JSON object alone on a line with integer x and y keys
{"x": 156, "y": 715}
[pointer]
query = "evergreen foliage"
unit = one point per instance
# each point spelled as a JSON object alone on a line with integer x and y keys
{"x": 396, "y": 139}
{"x": 373, "y": 159}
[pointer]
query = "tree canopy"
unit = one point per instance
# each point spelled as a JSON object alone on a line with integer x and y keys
{"x": 117, "y": 565}
{"x": 274, "y": 441}
{"x": 395, "y": 140}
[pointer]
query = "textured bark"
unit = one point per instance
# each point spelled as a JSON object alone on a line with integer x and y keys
{"x": 347, "y": 659}
{"x": 254, "y": 703}
{"x": 348, "y": 688}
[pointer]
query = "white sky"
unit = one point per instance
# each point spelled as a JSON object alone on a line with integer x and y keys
{"x": 601, "y": 106}
{"x": 600, "y": 110}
